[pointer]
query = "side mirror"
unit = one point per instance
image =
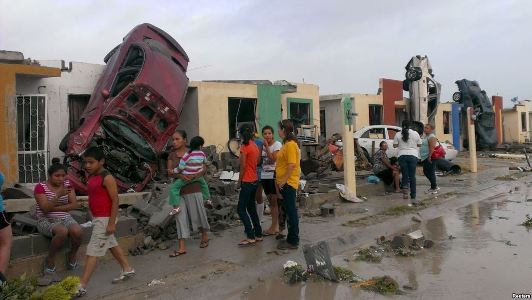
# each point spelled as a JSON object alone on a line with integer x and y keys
{"x": 105, "y": 93}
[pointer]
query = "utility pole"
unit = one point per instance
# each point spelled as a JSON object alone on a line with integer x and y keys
{"x": 348, "y": 148}
{"x": 471, "y": 118}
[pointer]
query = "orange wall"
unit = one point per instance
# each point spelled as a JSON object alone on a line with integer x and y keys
{"x": 497, "y": 108}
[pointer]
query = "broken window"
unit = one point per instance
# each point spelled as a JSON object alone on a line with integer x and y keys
{"x": 523, "y": 121}
{"x": 241, "y": 110}
{"x": 147, "y": 112}
{"x": 375, "y": 114}
{"x": 76, "y": 106}
{"x": 446, "y": 122}
{"x": 129, "y": 70}
{"x": 300, "y": 113}
{"x": 323, "y": 130}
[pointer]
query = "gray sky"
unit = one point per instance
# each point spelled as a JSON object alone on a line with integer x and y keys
{"x": 343, "y": 46}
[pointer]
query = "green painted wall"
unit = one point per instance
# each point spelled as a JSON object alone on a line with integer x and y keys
{"x": 269, "y": 106}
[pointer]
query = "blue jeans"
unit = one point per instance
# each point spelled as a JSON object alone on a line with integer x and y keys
{"x": 430, "y": 172}
{"x": 289, "y": 205}
{"x": 408, "y": 164}
{"x": 247, "y": 205}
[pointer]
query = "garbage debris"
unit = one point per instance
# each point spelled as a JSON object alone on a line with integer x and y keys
{"x": 156, "y": 282}
{"x": 319, "y": 261}
{"x": 371, "y": 254}
{"x": 347, "y": 196}
{"x": 384, "y": 285}
{"x": 528, "y": 221}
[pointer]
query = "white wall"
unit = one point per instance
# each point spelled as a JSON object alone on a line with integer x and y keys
{"x": 80, "y": 79}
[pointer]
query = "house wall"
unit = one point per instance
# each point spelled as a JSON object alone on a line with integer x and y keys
{"x": 513, "y": 132}
{"x": 78, "y": 78}
{"x": 188, "y": 120}
{"x": 8, "y": 116}
{"x": 392, "y": 91}
{"x": 304, "y": 91}
{"x": 497, "y": 102}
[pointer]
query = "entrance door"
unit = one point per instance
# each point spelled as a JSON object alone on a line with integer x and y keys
{"x": 32, "y": 138}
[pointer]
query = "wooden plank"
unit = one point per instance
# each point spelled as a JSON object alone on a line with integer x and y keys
{"x": 25, "y": 204}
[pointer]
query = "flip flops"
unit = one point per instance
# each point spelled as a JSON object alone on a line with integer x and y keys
{"x": 246, "y": 243}
{"x": 204, "y": 244}
{"x": 177, "y": 253}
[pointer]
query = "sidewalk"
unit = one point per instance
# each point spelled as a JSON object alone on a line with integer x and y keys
{"x": 223, "y": 270}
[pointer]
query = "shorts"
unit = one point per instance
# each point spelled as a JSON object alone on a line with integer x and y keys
{"x": 3, "y": 220}
{"x": 100, "y": 242}
{"x": 268, "y": 185}
{"x": 46, "y": 225}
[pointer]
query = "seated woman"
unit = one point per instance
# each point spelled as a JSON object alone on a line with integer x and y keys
{"x": 386, "y": 169}
{"x": 55, "y": 198}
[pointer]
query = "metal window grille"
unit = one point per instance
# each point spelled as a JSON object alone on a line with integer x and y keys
{"x": 32, "y": 138}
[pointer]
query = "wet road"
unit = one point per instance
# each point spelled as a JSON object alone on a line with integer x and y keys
{"x": 488, "y": 257}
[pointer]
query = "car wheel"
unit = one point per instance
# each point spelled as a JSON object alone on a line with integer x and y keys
{"x": 234, "y": 147}
{"x": 457, "y": 97}
{"x": 366, "y": 154}
{"x": 406, "y": 85}
{"x": 413, "y": 74}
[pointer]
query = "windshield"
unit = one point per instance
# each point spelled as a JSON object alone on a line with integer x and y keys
{"x": 124, "y": 135}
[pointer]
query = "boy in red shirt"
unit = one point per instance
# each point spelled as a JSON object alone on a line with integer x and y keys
{"x": 103, "y": 203}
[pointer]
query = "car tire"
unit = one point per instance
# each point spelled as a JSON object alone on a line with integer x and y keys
{"x": 406, "y": 85}
{"x": 413, "y": 74}
{"x": 457, "y": 97}
{"x": 234, "y": 147}
{"x": 366, "y": 154}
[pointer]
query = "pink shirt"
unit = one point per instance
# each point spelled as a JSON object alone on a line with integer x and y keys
{"x": 42, "y": 188}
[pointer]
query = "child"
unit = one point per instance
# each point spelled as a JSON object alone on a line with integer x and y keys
{"x": 191, "y": 166}
{"x": 103, "y": 203}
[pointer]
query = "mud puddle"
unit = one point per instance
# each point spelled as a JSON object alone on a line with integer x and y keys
{"x": 480, "y": 251}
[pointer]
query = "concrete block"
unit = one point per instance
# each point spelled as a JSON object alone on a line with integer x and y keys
{"x": 24, "y": 223}
{"x": 22, "y": 246}
{"x": 80, "y": 216}
{"x": 11, "y": 56}
{"x": 327, "y": 210}
{"x": 323, "y": 188}
{"x": 223, "y": 214}
{"x": 126, "y": 226}
{"x": 40, "y": 244}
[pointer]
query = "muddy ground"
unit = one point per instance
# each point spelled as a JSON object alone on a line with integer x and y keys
{"x": 224, "y": 271}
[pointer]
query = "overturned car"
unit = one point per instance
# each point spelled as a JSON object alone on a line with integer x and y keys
{"x": 133, "y": 110}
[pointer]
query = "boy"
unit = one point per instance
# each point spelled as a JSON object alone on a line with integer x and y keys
{"x": 191, "y": 167}
{"x": 103, "y": 203}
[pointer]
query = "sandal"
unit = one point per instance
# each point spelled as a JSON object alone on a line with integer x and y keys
{"x": 245, "y": 243}
{"x": 177, "y": 253}
{"x": 280, "y": 236}
{"x": 204, "y": 244}
{"x": 70, "y": 265}
{"x": 259, "y": 239}
{"x": 266, "y": 233}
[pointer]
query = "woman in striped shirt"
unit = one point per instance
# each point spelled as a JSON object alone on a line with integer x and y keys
{"x": 55, "y": 198}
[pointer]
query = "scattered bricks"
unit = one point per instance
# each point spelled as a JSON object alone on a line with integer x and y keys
{"x": 80, "y": 216}
{"x": 417, "y": 238}
{"x": 24, "y": 223}
{"x": 21, "y": 247}
{"x": 235, "y": 163}
{"x": 402, "y": 241}
{"x": 229, "y": 188}
{"x": 327, "y": 210}
{"x": 223, "y": 214}
{"x": 40, "y": 244}
{"x": 226, "y": 156}
{"x": 162, "y": 218}
{"x": 126, "y": 226}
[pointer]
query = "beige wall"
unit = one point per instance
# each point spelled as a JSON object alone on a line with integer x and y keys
{"x": 443, "y": 107}
{"x": 511, "y": 120}
{"x": 212, "y": 106}
{"x": 361, "y": 104}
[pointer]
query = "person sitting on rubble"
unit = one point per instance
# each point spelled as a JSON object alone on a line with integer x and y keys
{"x": 55, "y": 198}
{"x": 6, "y": 234}
{"x": 192, "y": 164}
{"x": 193, "y": 216}
{"x": 387, "y": 169}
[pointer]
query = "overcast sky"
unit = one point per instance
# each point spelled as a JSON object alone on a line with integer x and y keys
{"x": 342, "y": 46}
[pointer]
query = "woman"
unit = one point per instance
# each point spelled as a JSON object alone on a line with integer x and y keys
{"x": 55, "y": 198}
{"x": 269, "y": 155}
{"x": 384, "y": 169}
{"x": 192, "y": 216}
{"x": 288, "y": 171}
{"x": 5, "y": 235}
{"x": 408, "y": 142}
{"x": 425, "y": 152}
{"x": 247, "y": 183}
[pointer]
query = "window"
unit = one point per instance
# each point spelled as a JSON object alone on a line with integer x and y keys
{"x": 523, "y": 121}
{"x": 147, "y": 112}
{"x": 300, "y": 113}
{"x": 323, "y": 130}
{"x": 76, "y": 106}
{"x": 373, "y": 133}
{"x": 241, "y": 110}
{"x": 375, "y": 114}
{"x": 446, "y": 122}
{"x": 128, "y": 70}
{"x": 392, "y": 133}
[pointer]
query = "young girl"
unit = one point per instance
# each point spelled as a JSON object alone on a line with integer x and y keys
{"x": 269, "y": 156}
{"x": 190, "y": 166}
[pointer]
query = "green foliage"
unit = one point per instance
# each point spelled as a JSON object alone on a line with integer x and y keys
{"x": 384, "y": 285}
{"x": 18, "y": 288}
{"x": 371, "y": 254}
{"x": 344, "y": 274}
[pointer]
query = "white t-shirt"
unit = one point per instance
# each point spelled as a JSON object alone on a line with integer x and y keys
{"x": 411, "y": 146}
{"x": 268, "y": 166}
